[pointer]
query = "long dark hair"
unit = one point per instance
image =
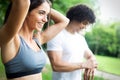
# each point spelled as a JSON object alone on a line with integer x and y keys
{"x": 34, "y": 4}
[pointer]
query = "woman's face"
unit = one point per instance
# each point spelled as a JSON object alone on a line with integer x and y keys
{"x": 38, "y": 17}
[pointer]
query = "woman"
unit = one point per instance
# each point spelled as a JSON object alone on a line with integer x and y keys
{"x": 22, "y": 54}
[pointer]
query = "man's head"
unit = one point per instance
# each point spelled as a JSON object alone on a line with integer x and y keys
{"x": 81, "y": 13}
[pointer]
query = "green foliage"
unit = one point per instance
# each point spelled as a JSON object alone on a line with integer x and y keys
{"x": 3, "y": 6}
{"x": 64, "y": 5}
{"x": 105, "y": 39}
{"x": 118, "y": 39}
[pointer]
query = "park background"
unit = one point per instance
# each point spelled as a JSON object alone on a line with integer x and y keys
{"x": 103, "y": 37}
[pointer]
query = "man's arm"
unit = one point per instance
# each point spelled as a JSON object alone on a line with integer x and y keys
{"x": 89, "y": 72}
{"x": 59, "y": 65}
{"x": 89, "y": 54}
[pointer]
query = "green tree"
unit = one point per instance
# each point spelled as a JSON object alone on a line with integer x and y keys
{"x": 3, "y": 6}
{"x": 64, "y": 5}
{"x": 118, "y": 38}
{"x": 104, "y": 39}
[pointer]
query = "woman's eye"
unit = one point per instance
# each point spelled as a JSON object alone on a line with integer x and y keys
{"x": 41, "y": 12}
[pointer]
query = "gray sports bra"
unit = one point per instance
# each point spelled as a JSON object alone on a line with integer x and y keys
{"x": 26, "y": 62}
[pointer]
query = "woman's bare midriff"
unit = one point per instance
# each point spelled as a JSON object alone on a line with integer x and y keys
{"x": 37, "y": 76}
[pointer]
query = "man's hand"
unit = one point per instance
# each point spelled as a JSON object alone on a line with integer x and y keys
{"x": 89, "y": 64}
{"x": 89, "y": 74}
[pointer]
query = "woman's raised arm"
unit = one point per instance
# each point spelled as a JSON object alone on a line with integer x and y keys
{"x": 60, "y": 23}
{"x": 16, "y": 17}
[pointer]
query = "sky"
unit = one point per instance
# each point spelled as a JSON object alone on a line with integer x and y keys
{"x": 109, "y": 9}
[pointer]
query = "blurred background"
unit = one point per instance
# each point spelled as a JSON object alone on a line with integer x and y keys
{"x": 103, "y": 37}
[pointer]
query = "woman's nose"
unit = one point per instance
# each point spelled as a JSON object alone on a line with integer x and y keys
{"x": 45, "y": 19}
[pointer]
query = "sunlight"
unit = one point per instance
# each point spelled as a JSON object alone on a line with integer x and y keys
{"x": 109, "y": 10}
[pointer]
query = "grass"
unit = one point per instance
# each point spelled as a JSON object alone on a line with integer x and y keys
{"x": 98, "y": 78}
{"x": 109, "y": 64}
{"x": 47, "y": 73}
{"x": 2, "y": 71}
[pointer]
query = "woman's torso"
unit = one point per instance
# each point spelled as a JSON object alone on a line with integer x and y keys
{"x": 29, "y": 62}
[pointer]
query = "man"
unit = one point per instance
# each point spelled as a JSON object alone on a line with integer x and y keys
{"x": 68, "y": 49}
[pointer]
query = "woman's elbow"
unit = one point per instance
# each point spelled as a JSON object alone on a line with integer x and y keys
{"x": 66, "y": 21}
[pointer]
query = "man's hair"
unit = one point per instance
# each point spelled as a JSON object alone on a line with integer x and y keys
{"x": 81, "y": 13}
